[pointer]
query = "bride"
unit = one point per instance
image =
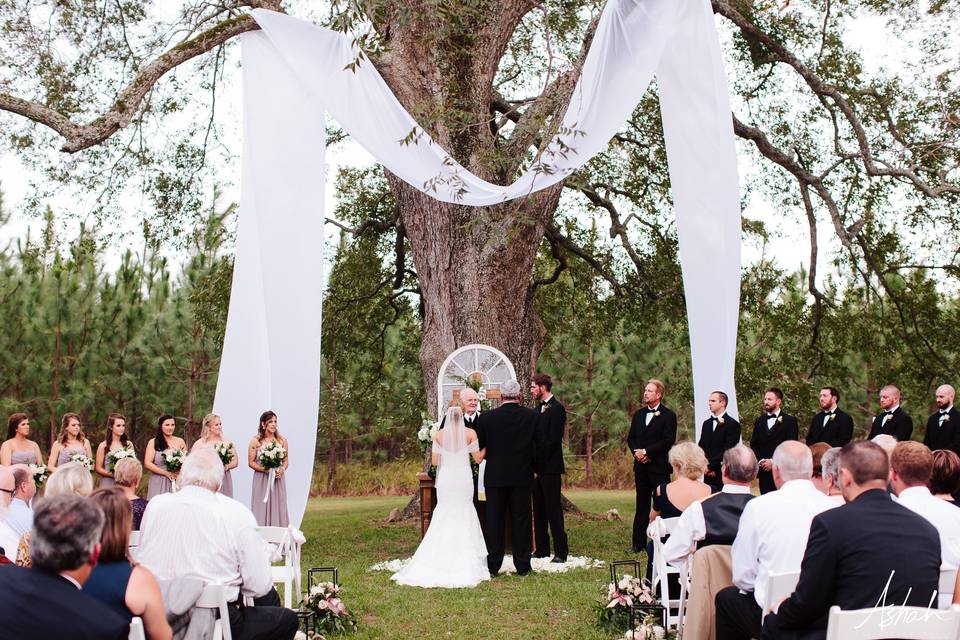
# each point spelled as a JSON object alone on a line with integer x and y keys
{"x": 452, "y": 553}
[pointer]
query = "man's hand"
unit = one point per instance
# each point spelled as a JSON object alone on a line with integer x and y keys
{"x": 710, "y": 474}
{"x": 766, "y": 464}
{"x": 638, "y": 454}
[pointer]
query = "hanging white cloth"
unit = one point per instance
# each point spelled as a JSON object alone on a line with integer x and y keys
{"x": 294, "y": 71}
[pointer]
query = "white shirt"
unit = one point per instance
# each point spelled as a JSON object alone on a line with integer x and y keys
{"x": 772, "y": 421}
{"x": 887, "y": 416}
{"x": 20, "y": 517}
{"x": 691, "y": 529}
{"x": 72, "y": 581}
{"x": 943, "y": 414}
{"x": 650, "y": 412}
{"x": 773, "y": 534}
{"x": 941, "y": 514}
{"x": 828, "y": 413}
{"x": 201, "y": 534}
{"x": 9, "y": 541}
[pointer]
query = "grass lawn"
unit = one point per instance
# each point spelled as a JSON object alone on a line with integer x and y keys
{"x": 350, "y": 533}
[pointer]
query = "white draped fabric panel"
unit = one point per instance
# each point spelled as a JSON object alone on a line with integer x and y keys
{"x": 294, "y": 71}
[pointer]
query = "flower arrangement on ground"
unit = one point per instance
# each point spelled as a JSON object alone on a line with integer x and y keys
{"x": 613, "y": 609}
{"x": 272, "y": 455}
{"x": 173, "y": 459}
{"x": 83, "y": 459}
{"x": 116, "y": 456}
{"x": 330, "y": 615}
{"x": 225, "y": 451}
{"x": 40, "y": 474}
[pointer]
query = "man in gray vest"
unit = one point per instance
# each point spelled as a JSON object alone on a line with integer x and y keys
{"x": 715, "y": 519}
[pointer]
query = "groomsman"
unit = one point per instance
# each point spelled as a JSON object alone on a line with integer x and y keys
{"x": 831, "y": 425}
{"x": 653, "y": 431}
{"x": 718, "y": 433}
{"x": 551, "y": 421}
{"x": 769, "y": 430}
{"x": 943, "y": 427}
{"x": 893, "y": 420}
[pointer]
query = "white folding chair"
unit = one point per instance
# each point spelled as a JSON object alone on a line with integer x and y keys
{"x": 282, "y": 574}
{"x": 133, "y": 546}
{"x": 214, "y": 596}
{"x": 779, "y": 586}
{"x": 885, "y": 623}
{"x": 658, "y": 529}
{"x": 948, "y": 581}
{"x": 136, "y": 630}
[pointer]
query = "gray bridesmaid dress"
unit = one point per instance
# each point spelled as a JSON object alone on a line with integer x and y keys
{"x": 23, "y": 457}
{"x": 65, "y": 454}
{"x": 227, "y": 487}
{"x": 158, "y": 484}
{"x": 104, "y": 480}
{"x": 273, "y": 512}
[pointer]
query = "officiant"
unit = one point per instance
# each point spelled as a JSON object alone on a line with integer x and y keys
{"x": 470, "y": 403}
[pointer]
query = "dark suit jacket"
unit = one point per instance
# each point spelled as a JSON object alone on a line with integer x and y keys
{"x": 900, "y": 425}
{"x": 764, "y": 441}
{"x": 715, "y": 441}
{"x": 44, "y": 606}
{"x": 946, "y": 436}
{"x": 852, "y": 552}
{"x": 837, "y": 432}
{"x": 552, "y": 422}
{"x": 656, "y": 437}
{"x": 509, "y": 434}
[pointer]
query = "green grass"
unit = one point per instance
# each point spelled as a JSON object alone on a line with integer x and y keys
{"x": 351, "y": 534}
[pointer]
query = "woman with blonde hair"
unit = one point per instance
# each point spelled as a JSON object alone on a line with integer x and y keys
{"x": 689, "y": 464}
{"x": 69, "y": 478}
{"x": 70, "y": 441}
{"x": 127, "y": 476}
{"x": 211, "y": 435}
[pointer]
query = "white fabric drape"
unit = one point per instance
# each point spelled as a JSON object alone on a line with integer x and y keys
{"x": 294, "y": 71}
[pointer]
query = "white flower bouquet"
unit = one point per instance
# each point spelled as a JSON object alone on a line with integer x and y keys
{"x": 272, "y": 455}
{"x": 40, "y": 474}
{"x": 428, "y": 429}
{"x": 225, "y": 451}
{"x": 173, "y": 459}
{"x": 330, "y": 615}
{"x": 83, "y": 459}
{"x": 116, "y": 456}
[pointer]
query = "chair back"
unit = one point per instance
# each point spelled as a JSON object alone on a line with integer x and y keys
{"x": 658, "y": 529}
{"x": 136, "y": 630}
{"x": 214, "y": 596}
{"x": 279, "y": 536}
{"x": 948, "y": 582}
{"x": 887, "y": 623}
{"x": 134, "y": 539}
{"x": 779, "y": 586}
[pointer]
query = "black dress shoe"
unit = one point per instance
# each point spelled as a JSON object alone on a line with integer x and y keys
{"x": 540, "y": 555}
{"x": 635, "y": 550}
{"x": 558, "y": 560}
{"x": 523, "y": 573}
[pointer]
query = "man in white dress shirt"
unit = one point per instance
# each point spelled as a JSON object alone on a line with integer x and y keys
{"x": 203, "y": 534}
{"x": 20, "y": 518}
{"x": 8, "y": 537}
{"x": 713, "y": 520}
{"x": 772, "y": 538}
{"x": 911, "y": 465}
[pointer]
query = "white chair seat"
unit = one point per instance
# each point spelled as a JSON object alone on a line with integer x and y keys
{"x": 214, "y": 596}
{"x": 779, "y": 586}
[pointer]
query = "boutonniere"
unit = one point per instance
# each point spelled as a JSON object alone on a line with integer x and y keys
{"x": 833, "y": 417}
{"x": 779, "y": 419}
{"x": 656, "y": 413}
{"x": 946, "y": 417}
{"x": 720, "y": 420}
{"x": 544, "y": 407}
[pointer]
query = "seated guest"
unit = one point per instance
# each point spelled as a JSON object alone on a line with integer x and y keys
{"x": 128, "y": 590}
{"x": 868, "y": 551}
{"x": 8, "y": 537}
{"x": 714, "y": 520}
{"x": 772, "y": 536}
{"x": 830, "y": 462}
{"x": 816, "y": 451}
{"x": 45, "y": 602}
{"x": 20, "y": 517}
{"x": 886, "y": 442}
{"x": 127, "y": 476}
{"x": 945, "y": 478}
{"x": 199, "y": 533}
{"x": 671, "y": 499}
{"x": 69, "y": 479}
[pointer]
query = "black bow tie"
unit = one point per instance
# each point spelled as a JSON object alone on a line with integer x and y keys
{"x": 888, "y": 413}
{"x": 943, "y": 413}
{"x": 828, "y": 413}
{"x": 771, "y": 415}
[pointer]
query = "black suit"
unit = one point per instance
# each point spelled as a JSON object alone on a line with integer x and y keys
{"x": 551, "y": 422}
{"x": 837, "y": 432}
{"x": 656, "y": 438}
{"x": 764, "y": 442}
{"x": 39, "y": 605}
{"x": 944, "y": 435}
{"x": 715, "y": 440}
{"x": 509, "y": 434}
{"x": 851, "y": 554}
{"x": 899, "y": 425}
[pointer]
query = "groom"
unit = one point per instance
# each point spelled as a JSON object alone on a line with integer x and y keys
{"x": 509, "y": 435}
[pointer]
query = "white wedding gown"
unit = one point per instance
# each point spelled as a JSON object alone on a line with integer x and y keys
{"x": 453, "y": 553}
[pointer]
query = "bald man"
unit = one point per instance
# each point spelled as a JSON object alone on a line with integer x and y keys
{"x": 943, "y": 427}
{"x": 892, "y": 419}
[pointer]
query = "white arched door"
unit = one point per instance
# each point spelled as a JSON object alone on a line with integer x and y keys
{"x": 478, "y": 362}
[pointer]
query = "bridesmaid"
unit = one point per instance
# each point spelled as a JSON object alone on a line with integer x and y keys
{"x": 18, "y": 448}
{"x": 273, "y": 512}
{"x": 161, "y": 480}
{"x": 70, "y": 441}
{"x": 116, "y": 438}
{"x": 210, "y": 434}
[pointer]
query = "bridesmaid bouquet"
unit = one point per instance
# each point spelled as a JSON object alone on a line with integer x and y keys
{"x": 83, "y": 459}
{"x": 225, "y": 451}
{"x": 272, "y": 455}
{"x": 40, "y": 474}
{"x": 330, "y": 615}
{"x": 116, "y": 456}
{"x": 173, "y": 459}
